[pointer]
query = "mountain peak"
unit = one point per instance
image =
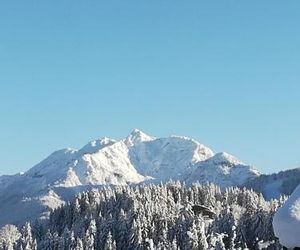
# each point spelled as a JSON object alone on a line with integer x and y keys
{"x": 136, "y": 130}
{"x": 137, "y": 136}
{"x": 224, "y": 157}
{"x": 96, "y": 145}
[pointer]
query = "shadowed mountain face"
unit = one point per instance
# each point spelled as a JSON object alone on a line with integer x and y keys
{"x": 274, "y": 185}
{"x": 137, "y": 158}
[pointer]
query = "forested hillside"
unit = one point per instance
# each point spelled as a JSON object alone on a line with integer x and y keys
{"x": 166, "y": 216}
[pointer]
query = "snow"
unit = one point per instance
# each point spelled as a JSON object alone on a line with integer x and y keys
{"x": 191, "y": 235}
{"x": 136, "y": 159}
{"x": 9, "y": 234}
{"x": 96, "y": 145}
{"x": 167, "y": 158}
{"x": 222, "y": 169}
{"x": 265, "y": 244}
{"x": 51, "y": 200}
{"x": 224, "y": 158}
{"x": 137, "y": 136}
{"x": 111, "y": 165}
{"x": 286, "y": 221}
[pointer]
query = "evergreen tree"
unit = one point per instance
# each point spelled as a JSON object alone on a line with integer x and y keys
{"x": 110, "y": 243}
{"x": 26, "y": 241}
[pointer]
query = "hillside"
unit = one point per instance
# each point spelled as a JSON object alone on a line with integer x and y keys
{"x": 272, "y": 186}
{"x": 168, "y": 216}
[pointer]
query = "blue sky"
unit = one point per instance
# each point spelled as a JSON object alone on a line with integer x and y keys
{"x": 223, "y": 72}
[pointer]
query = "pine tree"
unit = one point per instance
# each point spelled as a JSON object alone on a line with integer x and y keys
{"x": 193, "y": 237}
{"x": 79, "y": 244}
{"x": 174, "y": 245}
{"x": 26, "y": 241}
{"x": 110, "y": 244}
{"x": 90, "y": 235}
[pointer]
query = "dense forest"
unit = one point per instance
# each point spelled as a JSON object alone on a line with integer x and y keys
{"x": 164, "y": 216}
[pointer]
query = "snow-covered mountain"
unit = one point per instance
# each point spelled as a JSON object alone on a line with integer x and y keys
{"x": 135, "y": 159}
{"x": 224, "y": 170}
{"x": 274, "y": 185}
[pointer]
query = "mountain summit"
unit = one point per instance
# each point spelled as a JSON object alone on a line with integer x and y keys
{"x": 136, "y": 159}
{"x": 137, "y": 136}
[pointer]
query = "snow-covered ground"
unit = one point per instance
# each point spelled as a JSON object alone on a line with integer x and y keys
{"x": 286, "y": 222}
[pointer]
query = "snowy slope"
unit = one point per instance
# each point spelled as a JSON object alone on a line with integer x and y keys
{"x": 168, "y": 158}
{"x": 98, "y": 163}
{"x": 274, "y": 185}
{"x": 135, "y": 159}
{"x": 224, "y": 170}
{"x": 286, "y": 221}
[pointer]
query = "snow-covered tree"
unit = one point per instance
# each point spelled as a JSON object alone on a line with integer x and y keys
{"x": 9, "y": 234}
{"x": 90, "y": 236}
{"x": 110, "y": 243}
{"x": 161, "y": 216}
{"x": 26, "y": 241}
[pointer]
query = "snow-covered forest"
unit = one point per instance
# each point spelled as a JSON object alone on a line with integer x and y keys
{"x": 165, "y": 216}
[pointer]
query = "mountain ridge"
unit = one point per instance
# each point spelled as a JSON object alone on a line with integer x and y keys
{"x": 136, "y": 159}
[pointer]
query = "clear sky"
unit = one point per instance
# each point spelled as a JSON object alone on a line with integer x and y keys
{"x": 223, "y": 72}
